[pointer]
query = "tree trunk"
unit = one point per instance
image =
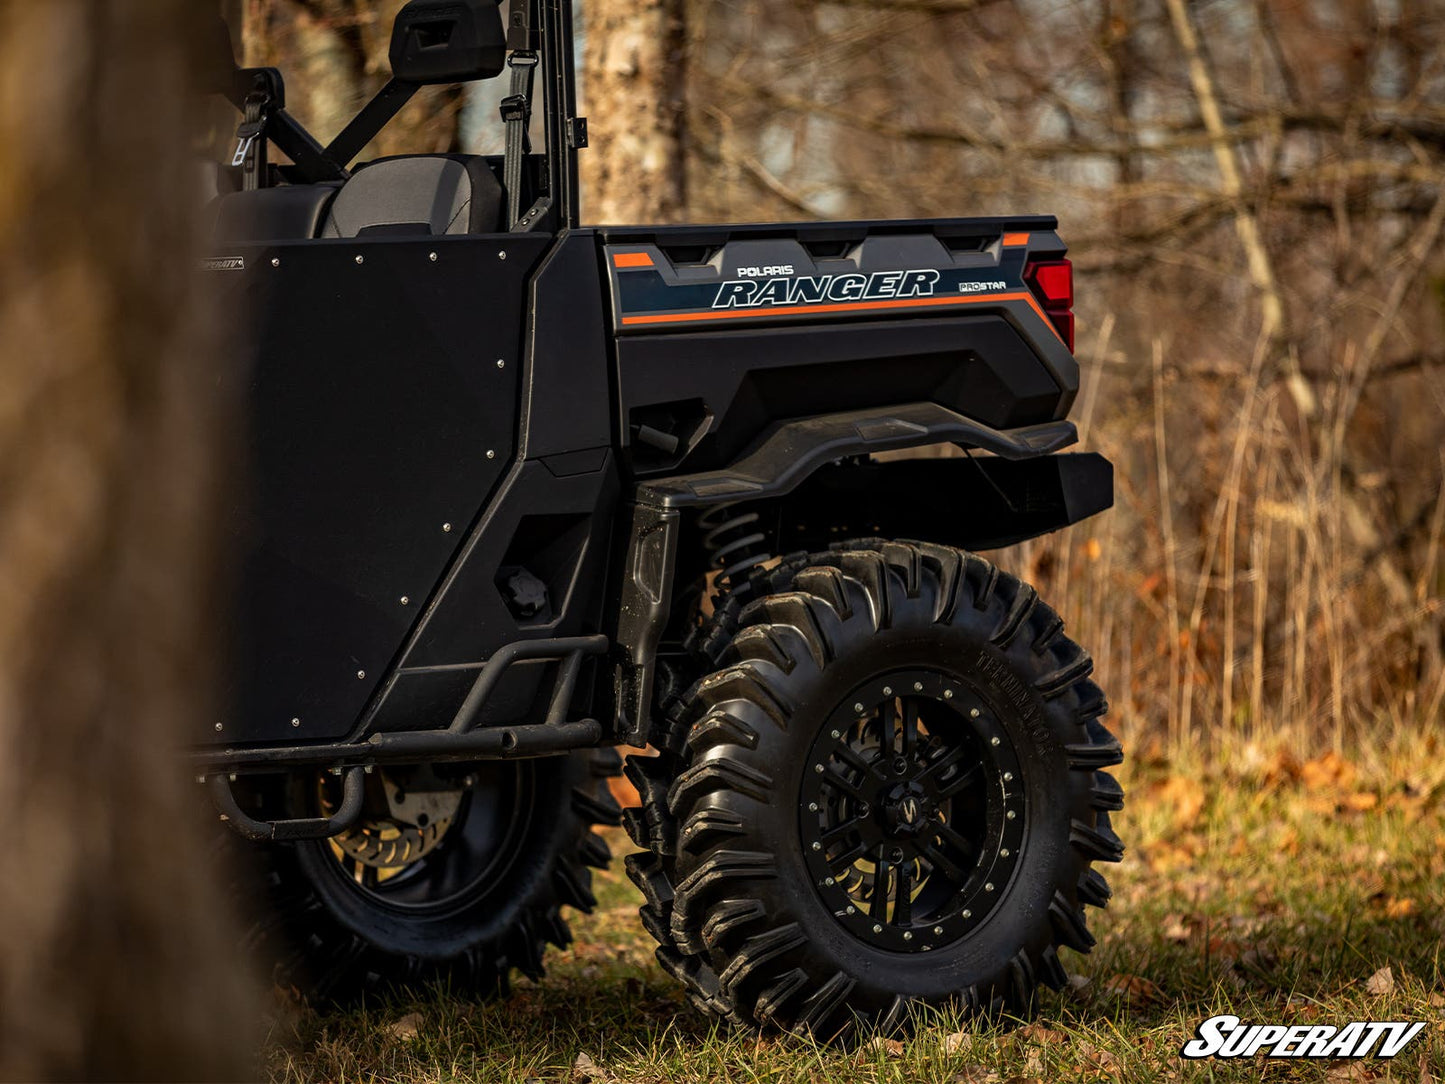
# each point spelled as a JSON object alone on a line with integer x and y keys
{"x": 633, "y": 85}
{"x": 116, "y": 958}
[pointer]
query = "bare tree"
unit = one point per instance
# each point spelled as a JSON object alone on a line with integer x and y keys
{"x": 634, "y": 79}
{"x": 116, "y": 957}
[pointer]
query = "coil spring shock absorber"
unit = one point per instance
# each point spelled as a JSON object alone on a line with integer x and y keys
{"x": 735, "y": 542}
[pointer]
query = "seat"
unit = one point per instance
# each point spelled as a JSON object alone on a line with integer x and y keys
{"x": 418, "y": 195}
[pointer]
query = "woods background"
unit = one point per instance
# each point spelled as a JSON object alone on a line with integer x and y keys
{"x": 1251, "y": 192}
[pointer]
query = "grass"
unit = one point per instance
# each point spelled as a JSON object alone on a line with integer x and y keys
{"x": 1274, "y": 891}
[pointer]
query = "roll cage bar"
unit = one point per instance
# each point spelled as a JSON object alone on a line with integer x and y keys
{"x": 539, "y": 38}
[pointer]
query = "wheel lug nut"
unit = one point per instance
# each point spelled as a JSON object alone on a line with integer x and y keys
{"x": 827, "y": 880}
{"x": 896, "y": 855}
{"x": 852, "y": 910}
{"x": 864, "y": 809}
{"x": 837, "y": 734}
{"x": 900, "y": 765}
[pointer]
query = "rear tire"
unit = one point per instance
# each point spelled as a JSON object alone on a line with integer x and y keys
{"x": 809, "y": 865}
{"x": 487, "y": 900}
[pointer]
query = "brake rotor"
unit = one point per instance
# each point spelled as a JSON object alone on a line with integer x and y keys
{"x": 402, "y": 824}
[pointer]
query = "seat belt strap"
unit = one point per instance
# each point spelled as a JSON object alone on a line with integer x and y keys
{"x": 517, "y": 113}
{"x": 250, "y": 153}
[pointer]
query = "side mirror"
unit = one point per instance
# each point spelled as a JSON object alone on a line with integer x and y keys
{"x": 448, "y": 41}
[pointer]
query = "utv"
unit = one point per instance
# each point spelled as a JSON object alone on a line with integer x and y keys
{"x": 520, "y": 492}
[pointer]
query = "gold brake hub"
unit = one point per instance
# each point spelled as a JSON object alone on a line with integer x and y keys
{"x": 407, "y": 815}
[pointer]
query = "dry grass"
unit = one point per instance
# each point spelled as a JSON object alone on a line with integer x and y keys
{"x": 1273, "y": 891}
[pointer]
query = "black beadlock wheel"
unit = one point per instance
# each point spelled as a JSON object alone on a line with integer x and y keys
{"x": 465, "y": 889}
{"x": 886, "y": 793}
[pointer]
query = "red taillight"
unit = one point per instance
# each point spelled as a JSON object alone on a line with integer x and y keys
{"x": 1053, "y": 284}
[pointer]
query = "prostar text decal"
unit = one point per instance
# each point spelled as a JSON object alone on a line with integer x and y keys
{"x": 752, "y": 293}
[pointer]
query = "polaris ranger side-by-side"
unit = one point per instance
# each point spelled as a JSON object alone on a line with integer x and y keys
{"x": 522, "y": 491}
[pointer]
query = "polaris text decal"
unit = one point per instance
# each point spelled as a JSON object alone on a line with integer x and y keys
{"x": 749, "y": 293}
{"x": 1229, "y": 1037}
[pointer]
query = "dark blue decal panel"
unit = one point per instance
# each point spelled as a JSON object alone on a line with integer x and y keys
{"x": 780, "y": 280}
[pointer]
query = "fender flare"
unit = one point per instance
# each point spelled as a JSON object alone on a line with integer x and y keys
{"x": 784, "y": 458}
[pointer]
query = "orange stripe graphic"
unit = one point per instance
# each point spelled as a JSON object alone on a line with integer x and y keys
{"x": 632, "y": 259}
{"x": 1012, "y": 239}
{"x": 856, "y": 306}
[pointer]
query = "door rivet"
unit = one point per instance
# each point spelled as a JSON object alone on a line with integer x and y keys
{"x": 993, "y": 741}
{"x": 361, "y": 675}
{"x": 817, "y": 846}
{"x": 877, "y": 928}
{"x": 405, "y": 600}
{"x": 295, "y": 722}
{"x": 858, "y": 707}
{"x": 974, "y": 713}
{"x": 918, "y": 686}
{"x": 432, "y": 256}
{"x": 491, "y": 454}
{"x": 948, "y": 694}
{"x": 887, "y": 691}
{"x": 361, "y": 259}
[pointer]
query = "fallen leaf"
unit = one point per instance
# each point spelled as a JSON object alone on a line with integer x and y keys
{"x": 973, "y": 1074}
{"x": 1176, "y": 929}
{"x": 1134, "y": 988}
{"x": 1330, "y": 771}
{"x": 876, "y": 1046}
{"x": 1399, "y": 908}
{"x": 1183, "y": 795}
{"x": 1038, "y": 1033}
{"x": 1381, "y": 982}
{"x": 956, "y": 1041}
{"x": 1361, "y": 801}
{"x": 587, "y": 1071}
{"x": 405, "y": 1029}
